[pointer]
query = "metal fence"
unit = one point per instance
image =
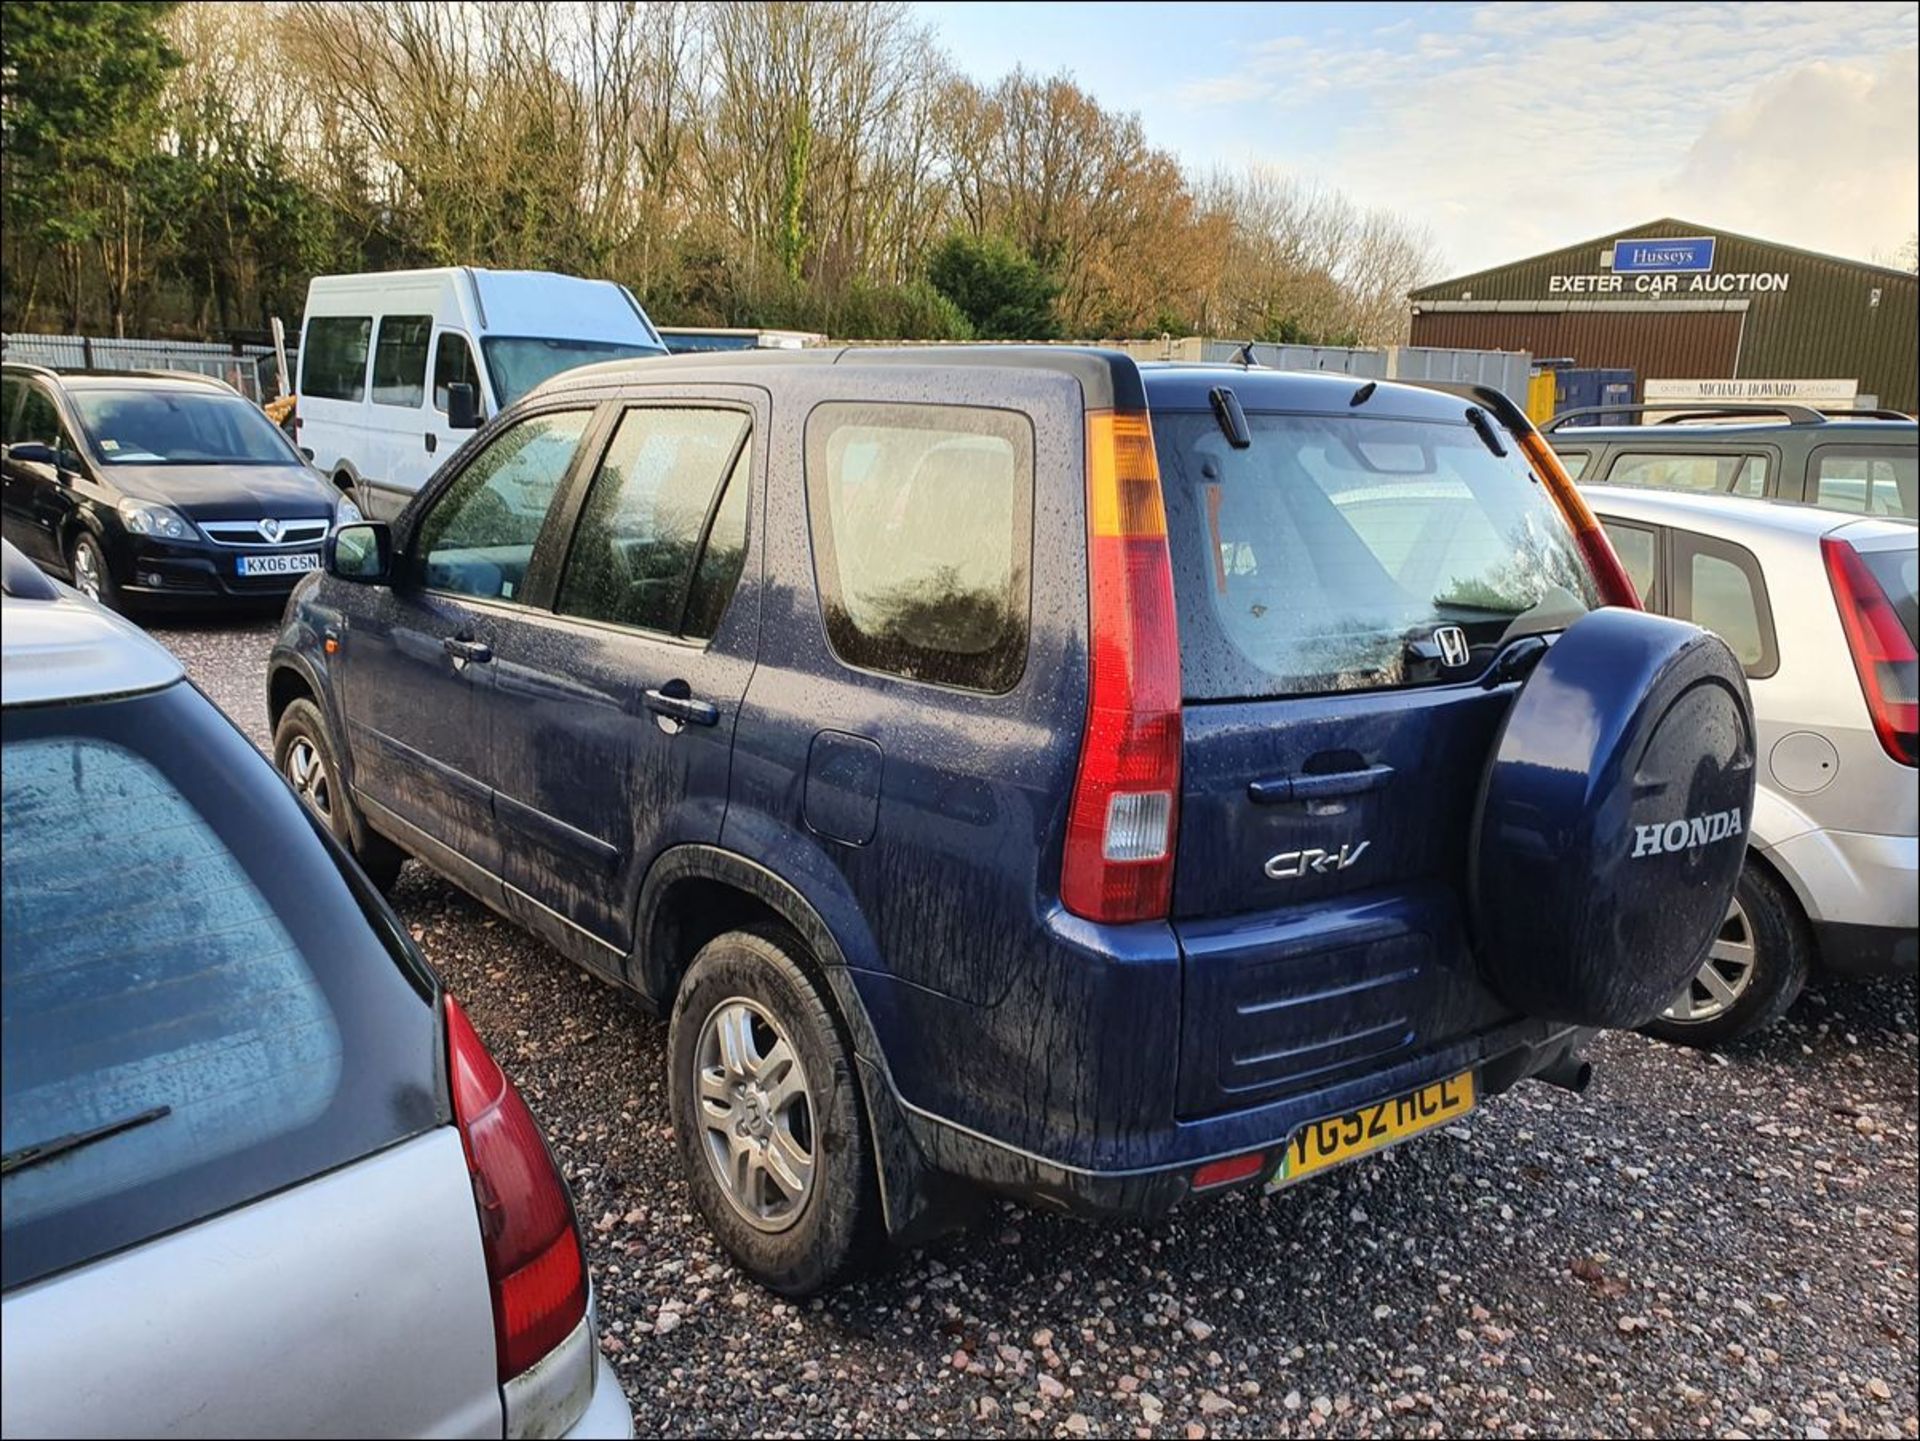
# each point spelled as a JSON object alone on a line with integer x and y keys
{"x": 1507, "y": 369}
{"x": 249, "y": 369}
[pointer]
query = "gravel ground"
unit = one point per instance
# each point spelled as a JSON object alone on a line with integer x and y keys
{"x": 1719, "y": 1246}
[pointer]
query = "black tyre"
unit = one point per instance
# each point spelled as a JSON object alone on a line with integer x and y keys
{"x": 1753, "y": 973}
{"x": 303, "y": 752}
{"x": 87, "y": 564}
{"x": 768, "y": 1117}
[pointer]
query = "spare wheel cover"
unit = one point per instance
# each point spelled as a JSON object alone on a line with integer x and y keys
{"x": 1613, "y": 820}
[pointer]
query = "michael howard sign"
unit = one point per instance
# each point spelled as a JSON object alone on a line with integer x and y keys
{"x": 1683, "y": 257}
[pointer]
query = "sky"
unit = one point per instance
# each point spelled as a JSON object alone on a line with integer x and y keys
{"x": 1509, "y": 129}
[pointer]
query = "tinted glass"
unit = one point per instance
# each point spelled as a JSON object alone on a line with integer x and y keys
{"x": 922, "y": 520}
{"x": 400, "y": 360}
{"x": 453, "y": 365}
{"x": 1724, "y": 603}
{"x": 634, "y": 548}
{"x": 231, "y": 985}
{"x": 1325, "y": 555}
{"x": 518, "y": 363}
{"x": 333, "y": 362}
{"x": 718, "y": 571}
{"x": 180, "y": 427}
{"x": 1866, "y": 484}
{"x": 1692, "y": 470}
{"x": 1635, "y": 547}
{"x": 12, "y": 394}
{"x": 478, "y": 539}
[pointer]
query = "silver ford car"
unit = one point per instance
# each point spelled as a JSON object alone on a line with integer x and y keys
{"x": 261, "y": 1177}
{"x": 1820, "y": 608}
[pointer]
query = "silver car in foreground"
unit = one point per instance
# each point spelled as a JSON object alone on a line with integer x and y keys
{"x": 261, "y": 1177}
{"x": 1821, "y": 610}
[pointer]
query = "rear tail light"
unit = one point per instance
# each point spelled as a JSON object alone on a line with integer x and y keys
{"x": 1883, "y": 652}
{"x": 534, "y": 1263}
{"x": 1118, "y": 862}
{"x": 1610, "y": 578}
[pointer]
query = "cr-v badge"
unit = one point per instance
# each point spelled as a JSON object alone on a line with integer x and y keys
{"x": 1290, "y": 865}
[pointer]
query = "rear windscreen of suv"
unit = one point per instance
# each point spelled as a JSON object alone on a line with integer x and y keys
{"x": 198, "y": 1009}
{"x": 1326, "y": 555}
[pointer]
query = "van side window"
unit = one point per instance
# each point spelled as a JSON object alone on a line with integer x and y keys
{"x": 400, "y": 360}
{"x": 647, "y": 516}
{"x": 1574, "y": 462}
{"x": 452, "y": 365}
{"x": 1718, "y": 586}
{"x": 333, "y": 363}
{"x": 922, "y": 520}
{"x": 479, "y": 536}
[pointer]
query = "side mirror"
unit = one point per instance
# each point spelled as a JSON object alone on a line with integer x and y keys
{"x": 32, "y": 452}
{"x": 463, "y": 407}
{"x": 361, "y": 552}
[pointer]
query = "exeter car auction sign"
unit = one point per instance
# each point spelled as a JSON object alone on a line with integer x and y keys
{"x": 1658, "y": 266}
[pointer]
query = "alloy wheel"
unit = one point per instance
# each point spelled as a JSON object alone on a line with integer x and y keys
{"x": 307, "y": 774}
{"x": 1723, "y": 978}
{"x": 86, "y": 570}
{"x": 756, "y": 1114}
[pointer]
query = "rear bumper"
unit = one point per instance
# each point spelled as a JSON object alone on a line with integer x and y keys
{"x": 1852, "y": 878}
{"x": 1149, "y": 1191}
{"x": 608, "y": 1413}
{"x": 1849, "y": 950}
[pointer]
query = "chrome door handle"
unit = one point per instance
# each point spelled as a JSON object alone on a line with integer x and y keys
{"x": 1319, "y": 787}
{"x": 463, "y": 649}
{"x": 682, "y": 707}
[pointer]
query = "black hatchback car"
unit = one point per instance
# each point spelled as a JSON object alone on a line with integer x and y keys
{"x": 158, "y": 488}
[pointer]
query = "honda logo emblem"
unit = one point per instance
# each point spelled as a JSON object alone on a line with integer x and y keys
{"x": 1453, "y": 645}
{"x": 271, "y": 530}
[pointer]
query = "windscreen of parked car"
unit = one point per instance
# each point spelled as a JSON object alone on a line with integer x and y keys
{"x": 1326, "y": 555}
{"x": 199, "y": 1007}
{"x": 518, "y": 363}
{"x": 179, "y": 427}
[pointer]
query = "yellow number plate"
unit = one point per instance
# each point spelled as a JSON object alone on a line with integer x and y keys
{"x": 1338, "y": 1139}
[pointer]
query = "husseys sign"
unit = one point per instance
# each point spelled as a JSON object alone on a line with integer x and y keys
{"x": 1666, "y": 267}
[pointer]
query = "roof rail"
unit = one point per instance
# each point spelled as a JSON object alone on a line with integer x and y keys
{"x": 1869, "y": 413}
{"x": 1694, "y": 410}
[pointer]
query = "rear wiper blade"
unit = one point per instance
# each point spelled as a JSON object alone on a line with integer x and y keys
{"x": 33, "y": 1155}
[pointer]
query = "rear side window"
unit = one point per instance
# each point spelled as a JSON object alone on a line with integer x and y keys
{"x": 1692, "y": 470}
{"x": 648, "y": 515}
{"x": 1329, "y": 553}
{"x": 333, "y": 362}
{"x": 478, "y": 538}
{"x": 1719, "y": 587}
{"x": 922, "y": 519}
{"x": 1865, "y": 483}
{"x": 1574, "y": 462}
{"x": 222, "y": 1020}
{"x": 400, "y": 360}
{"x": 1637, "y": 547}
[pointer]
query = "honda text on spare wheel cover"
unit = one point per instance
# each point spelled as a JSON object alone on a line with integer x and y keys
{"x": 1019, "y": 770}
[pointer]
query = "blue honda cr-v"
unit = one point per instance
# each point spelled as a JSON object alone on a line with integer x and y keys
{"x": 1015, "y": 769}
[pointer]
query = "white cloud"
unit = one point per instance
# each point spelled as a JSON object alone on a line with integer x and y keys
{"x": 1531, "y": 127}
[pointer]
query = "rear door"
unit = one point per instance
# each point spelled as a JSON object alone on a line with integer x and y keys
{"x": 232, "y": 1192}
{"x": 1343, "y": 586}
{"x": 398, "y": 412}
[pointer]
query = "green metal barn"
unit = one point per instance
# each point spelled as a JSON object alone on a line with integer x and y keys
{"x": 1690, "y": 309}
